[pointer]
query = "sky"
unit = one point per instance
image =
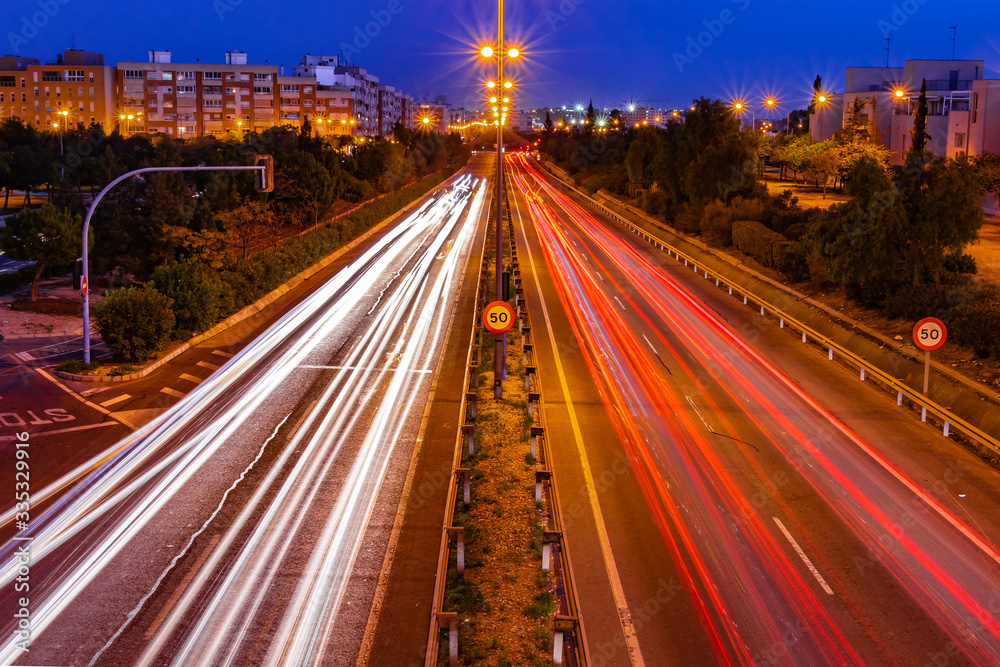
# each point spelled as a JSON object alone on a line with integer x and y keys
{"x": 660, "y": 54}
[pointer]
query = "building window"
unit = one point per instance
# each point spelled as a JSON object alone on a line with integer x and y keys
{"x": 959, "y": 140}
{"x": 133, "y": 74}
{"x": 22, "y": 82}
{"x": 185, "y": 90}
{"x": 75, "y": 75}
{"x": 91, "y": 93}
{"x": 24, "y": 97}
{"x": 46, "y": 91}
{"x": 213, "y": 76}
{"x": 975, "y": 107}
{"x": 185, "y": 76}
{"x": 262, "y": 90}
{"x": 91, "y": 77}
{"x": 262, "y": 77}
{"x": 244, "y": 77}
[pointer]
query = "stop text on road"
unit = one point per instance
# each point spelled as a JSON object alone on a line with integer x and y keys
{"x": 929, "y": 334}
{"x": 498, "y": 317}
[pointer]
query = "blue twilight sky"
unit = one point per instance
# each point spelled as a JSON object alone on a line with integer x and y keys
{"x": 660, "y": 53}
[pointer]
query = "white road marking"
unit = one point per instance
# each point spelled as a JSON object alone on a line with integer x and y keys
{"x": 355, "y": 368}
{"x": 804, "y": 557}
{"x": 172, "y": 392}
{"x": 190, "y": 378}
{"x": 86, "y": 427}
{"x": 117, "y": 399}
{"x": 24, "y": 356}
{"x": 620, "y": 303}
{"x": 650, "y": 344}
{"x": 205, "y": 364}
{"x": 617, "y": 590}
{"x": 95, "y": 390}
{"x": 700, "y": 416}
{"x": 222, "y": 354}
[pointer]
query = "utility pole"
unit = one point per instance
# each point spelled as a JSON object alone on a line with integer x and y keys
{"x": 888, "y": 43}
{"x": 954, "y": 39}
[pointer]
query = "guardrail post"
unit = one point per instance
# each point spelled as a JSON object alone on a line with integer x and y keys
{"x": 862, "y": 374}
{"x": 685, "y": 261}
{"x": 803, "y": 336}
{"x": 532, "y": 397}
{"x": 549, "y": 538}
{"x": 716, "y": 282}
{"x": 474, "y": 376}
{"x": 706, "y": 275}
{"x": 830, "y": 356}
{"x": 541, "y": 476}
{"x": 730, "y": 290}
{"x": 526, "y": 353}
{"x": 449, "y": 619}
{"x": 899, "y": 398}
{"x": 529, "y": 371}
{"x": 464, "y": 475}
{"x": 533, "y": 438}
{"x": 469, "y": 431}
{"x": 946, "y": 429}
{"x": 923, "y": 414}
{"x": 561, "y": 626}
{"x": 762, "y": 310}
{"x": 457, "y": 533}
{"x": 781, "y": 323}
{"x": 470, "y": 406}
{"x": 525, "y": 330}
{"x": 744, "y": 299}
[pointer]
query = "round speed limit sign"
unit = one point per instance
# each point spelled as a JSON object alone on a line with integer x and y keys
{"x": 498, "y": 317}
{"x": 929, "y": 334}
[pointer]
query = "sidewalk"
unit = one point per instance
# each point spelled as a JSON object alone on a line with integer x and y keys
{"x": 58, "y": 294}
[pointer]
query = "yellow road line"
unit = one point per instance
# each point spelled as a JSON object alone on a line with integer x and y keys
{"x": 631, "y": 640}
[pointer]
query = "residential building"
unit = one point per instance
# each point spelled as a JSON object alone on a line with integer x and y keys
{"x": 329, "y": 71}
{"x": 887, "y": 100}
{"x": 77, "y": 82}
{"x": 196, "y": 99}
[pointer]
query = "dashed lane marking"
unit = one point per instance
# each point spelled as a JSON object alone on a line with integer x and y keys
{"x": 804, "y": 557}
{"x": 172, "y": 392}
{"x": 205, "y": 364}
{"x": 190, "y": 378}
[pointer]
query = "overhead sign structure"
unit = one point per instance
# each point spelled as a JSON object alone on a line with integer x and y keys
{"x": 929, "y": 334}
{"x": 498, "y": 317}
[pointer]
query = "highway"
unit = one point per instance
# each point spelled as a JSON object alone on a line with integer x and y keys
{"x": 231, "y": 528}
{"x": 772, "y": 509}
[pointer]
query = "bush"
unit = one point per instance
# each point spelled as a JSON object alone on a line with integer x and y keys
{"x": 794, "y": 262}
{"x": 975, "y": 322}
{"x": 135, "y": 323}
{"x": 766, "y": 246}
{"x": 195, "y": 290}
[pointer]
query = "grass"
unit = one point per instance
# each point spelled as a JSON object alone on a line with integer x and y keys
{"x": 77, "y": 367}
{"x": 543, "y": 605}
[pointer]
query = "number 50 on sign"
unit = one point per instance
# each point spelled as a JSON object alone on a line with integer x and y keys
{"x": 498, "y": 317}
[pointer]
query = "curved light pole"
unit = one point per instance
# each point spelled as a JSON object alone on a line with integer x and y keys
{"x": 86, "y": 227}
{"x": 502, "y": 88}
{"x": 771, "y": 103}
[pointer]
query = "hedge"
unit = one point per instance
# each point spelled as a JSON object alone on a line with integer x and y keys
{"x": 765, "y": 245}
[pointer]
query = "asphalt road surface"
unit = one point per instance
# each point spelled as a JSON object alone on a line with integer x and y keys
{"x": 735, "y": 497}
{"x": 247, "y": 522}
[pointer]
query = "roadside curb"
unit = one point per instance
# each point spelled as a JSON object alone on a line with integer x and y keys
{"x": 253, "y": 308}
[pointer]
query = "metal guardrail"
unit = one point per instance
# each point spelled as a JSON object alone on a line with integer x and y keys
{"x": 568, "y": 638}
{"x": 928, "y": 408}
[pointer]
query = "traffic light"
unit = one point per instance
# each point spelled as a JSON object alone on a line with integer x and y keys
{"x": 263, "y": 180}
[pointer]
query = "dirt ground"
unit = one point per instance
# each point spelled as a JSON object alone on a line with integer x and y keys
{"x": 987, "y": 249}
{"x": 809, "y": 195}
{"x": 14, "y": 323}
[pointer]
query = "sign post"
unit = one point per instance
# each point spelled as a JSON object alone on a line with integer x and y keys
{"x": 498, "y": 318}
{"x": 929, "y": 334}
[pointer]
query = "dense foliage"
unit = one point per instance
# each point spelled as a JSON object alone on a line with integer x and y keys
{"x": 135, "y": 323}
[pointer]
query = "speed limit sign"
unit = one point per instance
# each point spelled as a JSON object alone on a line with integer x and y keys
{"x": 929, "y": 334}
{"x": 498, "y": 317}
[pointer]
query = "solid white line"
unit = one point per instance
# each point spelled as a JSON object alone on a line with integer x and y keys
{"x": 117, "y": 399}
{"x": 804, "y": 557}
{"x": 624, "y": 615}
{"x": 86, "y": 427}
{"x": 172, "y": 392}
{"x": 205, "y": 364}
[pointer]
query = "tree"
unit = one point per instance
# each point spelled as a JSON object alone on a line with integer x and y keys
{"x": 591, "y": 117}
{"x": 548, "y": 123}
{"x": 304, "y": 190}
{"x": 817, "y": 91}
{"x": 49, "y": 236}
{"x": 249, "y": 222}
{"x": 920, "y": 135}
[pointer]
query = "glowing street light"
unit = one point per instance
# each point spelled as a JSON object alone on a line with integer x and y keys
{"x": 513, "y": 53}
{"x": 486, "y": 52}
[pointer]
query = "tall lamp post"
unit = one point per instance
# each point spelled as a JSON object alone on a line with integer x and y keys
{"x": 740, "y": 108}
{"x": 772, "y": 103}
{"x": 499, "y": 98}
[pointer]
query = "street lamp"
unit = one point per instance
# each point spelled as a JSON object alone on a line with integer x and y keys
{"x": 773, "y": 103}
{"x": 500, "y": 340}
{"x": 740, "y": 108}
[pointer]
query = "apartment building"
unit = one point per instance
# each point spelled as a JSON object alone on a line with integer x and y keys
{"x": 963, "y": 109}
{"x": 78, "y": 82}
{"x": 368, "y": 97}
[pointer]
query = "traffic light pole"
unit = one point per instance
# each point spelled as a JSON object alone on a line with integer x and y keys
{"x": 500, "y": 345}
{"x": 86, "y": 227}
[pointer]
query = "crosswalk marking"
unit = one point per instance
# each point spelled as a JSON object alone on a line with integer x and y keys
{"x": 117, "y": 399}
{"x": 222, "y": 354}
{"x": 190, "y": 378}
{"x": 172, "y": 392}
{"x": 205, "y": 364}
